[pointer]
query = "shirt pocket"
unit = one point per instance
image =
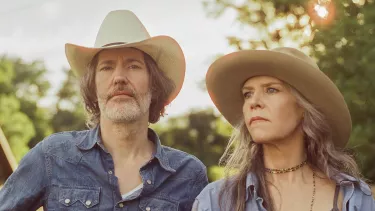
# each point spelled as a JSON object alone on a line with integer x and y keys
{"x": 157, "y": 204}
{"x": 79, "y": 198}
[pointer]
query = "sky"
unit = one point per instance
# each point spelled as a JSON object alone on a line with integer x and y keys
{"x": 39, "y": 29}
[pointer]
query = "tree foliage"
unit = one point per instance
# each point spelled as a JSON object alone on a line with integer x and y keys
{"x": 22, "y": 85}
{"x": 341, "y": 43}
{"x": 200, "y": 133}
{"x": 70, "y": 114}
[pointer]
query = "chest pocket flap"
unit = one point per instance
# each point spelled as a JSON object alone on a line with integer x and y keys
{"x": 87, "y": 196}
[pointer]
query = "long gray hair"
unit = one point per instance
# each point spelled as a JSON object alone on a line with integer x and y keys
{"x": 243, "y": 155}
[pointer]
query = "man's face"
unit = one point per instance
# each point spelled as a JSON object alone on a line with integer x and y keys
{"x": 122, "y": 83}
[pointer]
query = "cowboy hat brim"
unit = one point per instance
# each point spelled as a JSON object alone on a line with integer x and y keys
{"x": 166, "y": 52}
{"x": 227, "y": 75}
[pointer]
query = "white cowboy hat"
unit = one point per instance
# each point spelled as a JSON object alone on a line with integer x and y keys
{"x": 226, "y": 76}
{"x": 122, "y": 28}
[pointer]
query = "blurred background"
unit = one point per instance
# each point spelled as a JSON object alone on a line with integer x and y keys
{"x": 39, "y": 95}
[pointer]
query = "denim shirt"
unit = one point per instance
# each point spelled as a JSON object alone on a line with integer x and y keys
{"x": 71, "y": 171}
{"x": 357, "y": 195}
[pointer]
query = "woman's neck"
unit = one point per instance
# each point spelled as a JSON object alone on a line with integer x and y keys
{"x": 285, "y": 154}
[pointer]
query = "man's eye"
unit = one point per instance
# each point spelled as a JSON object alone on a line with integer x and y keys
{"x": 247, "y": 95}
{"x": 105, "y": 68}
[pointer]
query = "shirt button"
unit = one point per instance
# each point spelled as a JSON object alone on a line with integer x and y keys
{"x": 148, "y": 208}
{"x": 88, "y": 203}
{"x": 121, "y": 205}
{"x": 67, "y": 201}
{"x": 110, "y": 172}
{"x": 149, "y": 182}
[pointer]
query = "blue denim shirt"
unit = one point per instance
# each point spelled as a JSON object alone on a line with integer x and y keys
{"x": 71, "y": 171}
{"x": 357, "y": 195}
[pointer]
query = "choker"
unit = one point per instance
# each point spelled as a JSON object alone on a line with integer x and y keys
{"x": 280, "y": 171}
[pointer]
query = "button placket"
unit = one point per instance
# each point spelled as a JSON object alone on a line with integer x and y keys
{"x": 109, "y": 168}
{"x": 148, "y": 180}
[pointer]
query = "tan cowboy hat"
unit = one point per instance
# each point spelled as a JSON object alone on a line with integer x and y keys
{"x": 122, "y": 28}
{"x": 226, "y": 76}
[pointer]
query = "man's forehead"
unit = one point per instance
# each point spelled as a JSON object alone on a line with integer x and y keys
{"x": 115, "y": 53}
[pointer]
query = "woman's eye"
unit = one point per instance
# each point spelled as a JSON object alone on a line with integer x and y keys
{"x": 272, "y": 90}
{"x": 134, "y": 66}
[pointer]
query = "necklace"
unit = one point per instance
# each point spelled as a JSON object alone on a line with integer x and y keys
{"x": 280, "y": 171}
{"x": 313, "y": 196}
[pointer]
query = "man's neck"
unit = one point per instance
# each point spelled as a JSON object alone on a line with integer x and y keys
{"x": 126, "y": 141}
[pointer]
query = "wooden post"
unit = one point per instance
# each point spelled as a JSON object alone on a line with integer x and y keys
{"x": 11, "y": 164}
{"x": 7, "y": 151}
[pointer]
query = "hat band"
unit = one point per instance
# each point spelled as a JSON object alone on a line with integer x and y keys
{"x": 115, "y": 43}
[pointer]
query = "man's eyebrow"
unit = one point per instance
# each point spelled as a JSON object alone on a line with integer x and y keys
{"x": 129, "y": 60}
{"x": 108, "y": 61}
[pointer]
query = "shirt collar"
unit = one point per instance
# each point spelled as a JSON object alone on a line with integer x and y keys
{"x": 160, "y": 153}
{"x": 252, "y": 183}
{"x": 93, "y": 137}
{"x": 344, "y": 179}
{"x": 89, "y": 140}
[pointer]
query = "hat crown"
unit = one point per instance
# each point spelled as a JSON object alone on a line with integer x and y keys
{"x": 121, "y": 26}
{"x": 297, "y": 54}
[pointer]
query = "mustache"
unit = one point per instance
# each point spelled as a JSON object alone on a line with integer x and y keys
{"x": 122, "y": 90}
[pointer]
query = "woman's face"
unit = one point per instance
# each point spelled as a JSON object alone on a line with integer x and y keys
{"x": 270, "y": 110}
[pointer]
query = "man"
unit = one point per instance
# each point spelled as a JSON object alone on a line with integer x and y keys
{"x": 119, "y": 164}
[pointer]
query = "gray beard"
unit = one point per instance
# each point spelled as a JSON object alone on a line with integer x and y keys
{"x": 126, "y": 111}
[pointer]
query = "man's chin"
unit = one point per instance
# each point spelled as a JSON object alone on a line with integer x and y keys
{"x": 121, "y": 103}
{"x": 122, "y": 113}
{"x": 123, "y": 117}
{"x": 121, "y": 99}
{"x": 123, "y": 120}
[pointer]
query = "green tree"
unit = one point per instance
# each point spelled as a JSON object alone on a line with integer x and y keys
{"x": 345, "y": 52}
{"x": 70, "y": 114}
{"x": 22, "y": 85}
{"x": 31, "y": 85}
{"x": 200, "y": 133}
{"x": 341, "y": 42}
{"x": 280, "y": 22}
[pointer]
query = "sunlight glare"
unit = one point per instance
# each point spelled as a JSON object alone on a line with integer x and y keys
{"x": 321, "y": 11}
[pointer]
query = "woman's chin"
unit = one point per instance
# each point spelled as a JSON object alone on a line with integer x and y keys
{"x": 260, "y": 136}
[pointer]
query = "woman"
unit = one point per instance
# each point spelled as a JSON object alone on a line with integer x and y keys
{"x": 292, "y": 125}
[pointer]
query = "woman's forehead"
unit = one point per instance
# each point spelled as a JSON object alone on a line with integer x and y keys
{"x": 261, "y": 80}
